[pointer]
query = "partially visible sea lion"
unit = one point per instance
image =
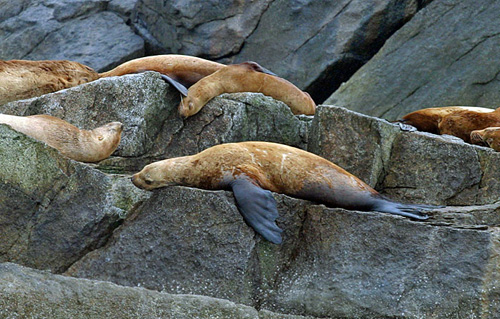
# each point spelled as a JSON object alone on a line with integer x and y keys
{"x": 245, "y": 77}
{"x": 22, "y": 79}
{"x": 458, "y": 121}
{"x": 182, "y": 69}
{"x": 489, "y": 136}
{"x": 252, "y": 169}
{"x": 80, "y": 145}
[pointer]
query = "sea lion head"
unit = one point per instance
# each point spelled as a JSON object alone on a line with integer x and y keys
{"x": 159, "y": 174}
{"x": 107, "y": 138}
{"x": 489, "y": 136}
{"x": 190, "y": 105}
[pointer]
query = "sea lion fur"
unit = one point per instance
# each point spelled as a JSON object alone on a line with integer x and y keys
{"x": 77, "y": 144}
{"x": 252, "y": 169}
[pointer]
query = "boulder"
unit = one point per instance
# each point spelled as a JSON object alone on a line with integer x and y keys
{"x": 55, "y": 210}
{"x": 66, "y": 30}
{"x": 28, "y": 293}
{"x": 446, "y": 55}
{"x": 153, "y": 129}
{"x": 320, "y": 43}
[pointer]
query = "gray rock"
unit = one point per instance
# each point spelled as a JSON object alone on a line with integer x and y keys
{"x": 55, "y": 210}
{"x": 52, "y": 30}
{"x": 315, "y": 44}
{"x": 407, "y": 166}
{"x": 153, "y": 129}
{"x": 446, "y": 55}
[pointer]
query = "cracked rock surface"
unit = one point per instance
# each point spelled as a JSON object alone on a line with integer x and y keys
{"x": 89, "y": 221}
{"x": 442, "y": 57}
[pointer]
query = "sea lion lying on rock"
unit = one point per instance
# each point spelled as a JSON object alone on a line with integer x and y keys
{"x": 489, "y": 136}
{"x": 245, "y": 77}
{"x": 79, "y": 145}
{"x": 458, "y": 121}
{"x": 252, "y": 169}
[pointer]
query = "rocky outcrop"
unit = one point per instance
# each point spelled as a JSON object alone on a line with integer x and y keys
{"x": 26, "y": 293}
{"x": 87, "y": 221}
{"x": 315, "y": 44}
{"x": 446, "y": 55}
{"x": 82, "y": 31}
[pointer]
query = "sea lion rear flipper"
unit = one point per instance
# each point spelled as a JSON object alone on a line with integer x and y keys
{"x": 257, "y": 67}
{"x": 258, "y": 208}
{"x": 181, "y": 88}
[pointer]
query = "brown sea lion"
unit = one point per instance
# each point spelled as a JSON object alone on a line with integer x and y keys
{"x": 489, "y": 136}
{"x": 80, "y": 145}
{"x": 175, "y": 68}
{"x": 458, "y": 121}
{"x": 245, "y": 77}
{"x": 22, "y": 79}
{"x": 252, "y": 169}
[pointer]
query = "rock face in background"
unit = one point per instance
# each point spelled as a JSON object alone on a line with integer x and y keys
{"x": 314, "y": 44}
{"x": 82, "y": 31}
{"x": 73, "y": 218}
{"x": 443, "y": 56}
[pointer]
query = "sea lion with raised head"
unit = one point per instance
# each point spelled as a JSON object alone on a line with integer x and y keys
{"x": 245, "y": 77}
{"x": 489, "y": 136}
{"x": 458, "y": 121}
{"x": 77, "y": 144}
{"x": 22, "y": 79}
{"x": 252, "y": 169}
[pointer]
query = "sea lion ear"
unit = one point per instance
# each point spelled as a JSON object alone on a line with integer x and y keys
{"x": 181, "y": 88}
{"x": 257, "y": 67}
{"x": 258, "y": 208}
{"x": 100, "y": 137}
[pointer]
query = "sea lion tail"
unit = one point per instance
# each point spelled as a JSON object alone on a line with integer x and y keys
{"x": 414, "y": 211}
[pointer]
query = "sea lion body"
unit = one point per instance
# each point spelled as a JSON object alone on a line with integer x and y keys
{"x": 489, "y": 136}
{"x": 245, "y": 77}
{"x": 279, "y": 168}
{"x": 80, "y": 145}
{"x": 458, "y": 121}
{"x": 22, "y": 79}
{"x": 184, "y": 69}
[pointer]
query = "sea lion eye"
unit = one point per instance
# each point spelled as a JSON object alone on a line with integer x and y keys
{"x": 190, "y": 106}
{"x": 100, "y": 137}
{"x": 148, "y": 181}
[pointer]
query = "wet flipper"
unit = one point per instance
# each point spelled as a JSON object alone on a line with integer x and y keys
{"x": 407, "y": 210}
{"x": 181, "y": 88}
{"x": 258, "y": 208}
{"x": 257, "y": 67}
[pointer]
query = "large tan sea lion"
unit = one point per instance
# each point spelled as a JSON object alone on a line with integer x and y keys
{"x": 80, "y": 145}
{"x": 22, "y": 79}
{"x": 252, "y": 169}
{"x": 245, "y": 77}
{"x": 458, "y": 121}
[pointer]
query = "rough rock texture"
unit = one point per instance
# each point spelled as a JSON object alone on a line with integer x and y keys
{"x": 55, "y": 210}
{"x": 147, "y": 107}
{"x": 315, "y": 44}
{"x": 82, "y": 31}
{"x": 446, "y": 55}
{"x": 73, "y": 218}
{"x": 409, "y": 166}
{"x": 26, "y": 293}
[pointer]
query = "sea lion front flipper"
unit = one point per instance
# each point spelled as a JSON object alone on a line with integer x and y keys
{"x": 257, "y": 67}
{"x": 181, "y": 88}
{"x": 258, "y": 208}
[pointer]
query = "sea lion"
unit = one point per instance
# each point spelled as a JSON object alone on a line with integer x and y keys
{"x": 252, "y": 169}
{"x": 489, "y": 136}
{"x": 175, "y": 69}
{"x": 22, "y": 79}
{"x": 80, "y": 145}
{"x": 245, "y": 77}
{"x": 458, "y": 121}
